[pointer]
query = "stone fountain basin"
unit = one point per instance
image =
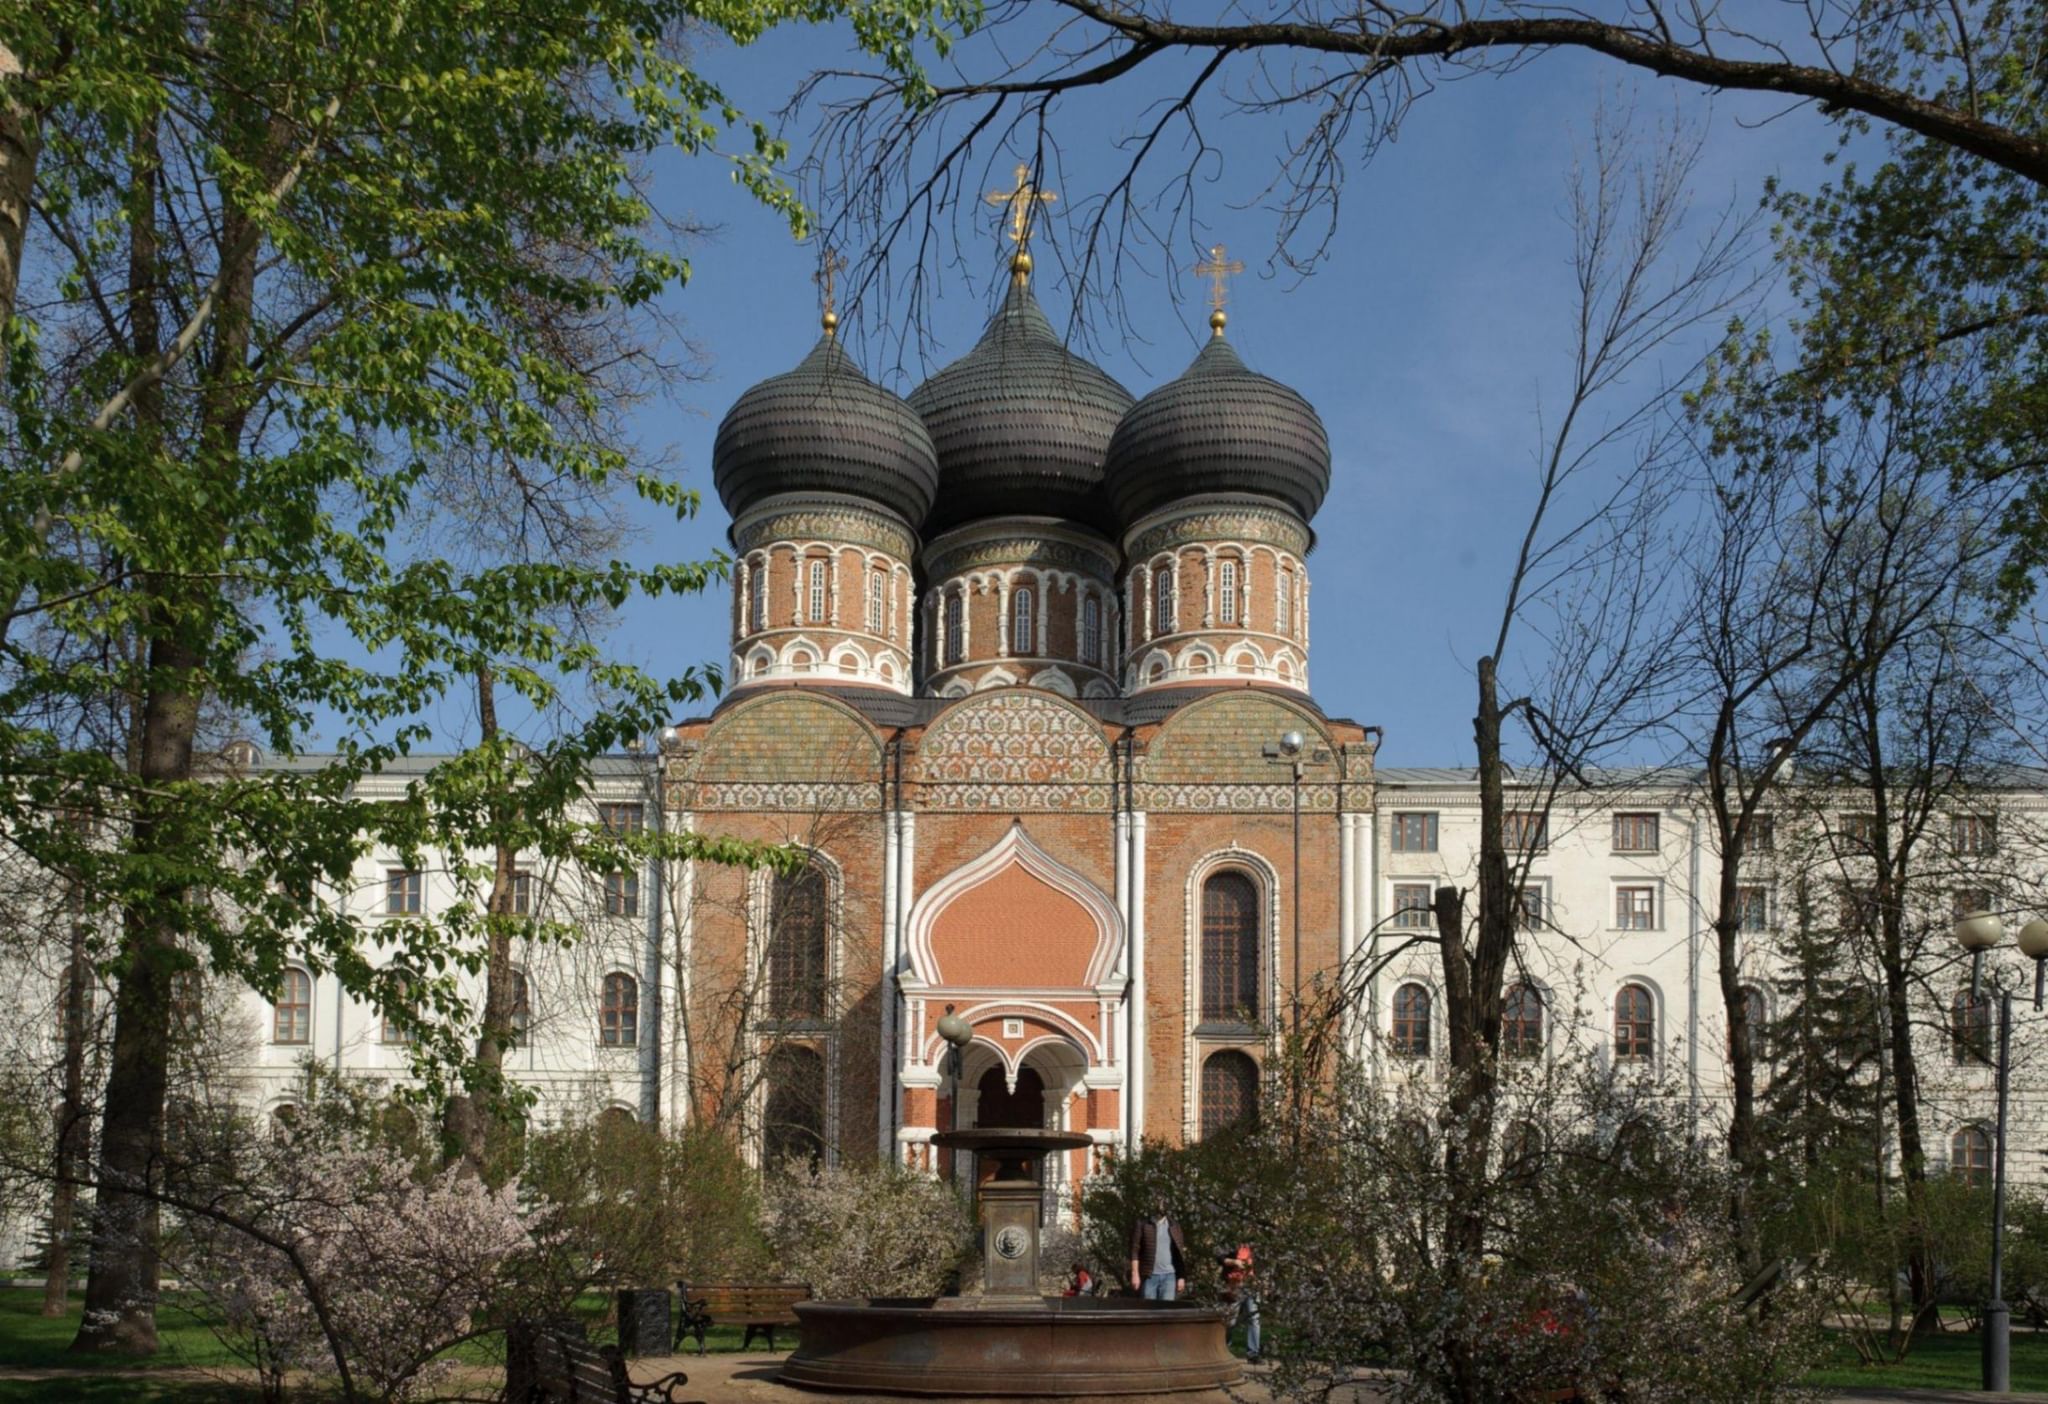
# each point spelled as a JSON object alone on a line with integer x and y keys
{"x": 1054, "y": 1347}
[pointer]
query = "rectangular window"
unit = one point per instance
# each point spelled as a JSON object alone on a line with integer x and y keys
{"x": 1635, "y": 908}
{"x": 1635, "y": 833}
{"x": 1285, "y": 623}
{"x": 522, "y": 894}
{"x": 402, "y": 891}
{"x": 1974, "y": 834}
{"x": 1859, "y": 909}
{"x": 622, "y": 894}
{"x": 817, "y": 592}
{"x": 1091, "y": 631}
{"x": 1525, "y": 830}
{"x": 1763, "y": 833}
{"x": 620, "y": 818}
{"x": 1529, "y": 910}
{"x": 1415, "y": 833}
{"x": 1162, "y": 600}
{"x": 1021, "y": 623}
{"x": 877, "y": 587}
{"x": 761, "y": 596}
{"x": 1411, "y": 906}
{"x": 956, "y": 629}
{"x": 1226, "y": 587}
{"x": 1858, "y": 831}
{"x": 1753, "y": 908}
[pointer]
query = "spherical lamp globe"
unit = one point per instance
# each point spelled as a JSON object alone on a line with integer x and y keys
{"x": 1977, "y": 932}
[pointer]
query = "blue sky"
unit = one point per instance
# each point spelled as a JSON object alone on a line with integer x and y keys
{"x": 1430, "y": 342}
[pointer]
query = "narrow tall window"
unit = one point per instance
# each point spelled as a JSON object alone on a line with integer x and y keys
{"x": 402, "y": 892}
{"x": 1230, "y": 948}
{"x": 1529, "y": 910}
{"x": 797, "y": 968}
{"x": 1975, "y": 834}
{"x": 618, "y": 1011}
{"x": 1635, "y": 1024}
{"x": 521, "y": 1013}
{"x": 761, "y": 595}
{"x": 1525, "y": 830}
{"x": 1415, "y": 833}
{"x": 1858, "y": 831}
{"x": 393, "y": 1031}
{"x": 522, "y": 894}
{"x": 1285, "y": 623}
{"x": 1020, "y": 622}
{"x": 1970, "y": 1027}
{"x": 1521, "y": 1022}
{"x": 817, "y": 611}
{"x": 1230, "y": 1091}
{"x": 292, "y": 1019}
{"x": 1763, "y": 833}
{"x": 1969, "y": 1156}
{"x": 956, "y": 628}
{"x": 1411, "y": 906}
{"x": 793, "y": 1112}
{"x": 1411, "y": 1021}
{"x": 1162, "y": 600}
{"x": 878, "y": 586}
{"x": 1091, "y": 631}
{"x": 1226, "y": 587}
{"x": 1753, "y": 908}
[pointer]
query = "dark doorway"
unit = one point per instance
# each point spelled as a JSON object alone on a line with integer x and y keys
{"x": 998, "y": 1106}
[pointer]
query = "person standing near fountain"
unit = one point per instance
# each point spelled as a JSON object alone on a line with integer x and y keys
{"x": 1159, "y": 1257}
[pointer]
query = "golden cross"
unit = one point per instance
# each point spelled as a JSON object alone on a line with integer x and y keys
{"x": 829, "y": 264}
{"x": 1020, "y": 202}
{"x": 1218, "y": 271}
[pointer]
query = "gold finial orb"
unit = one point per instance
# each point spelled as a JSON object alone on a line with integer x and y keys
{"x": 1216, "y": 321}
{"x": 830, "y": 321}
{"x": 1020, "y": 265}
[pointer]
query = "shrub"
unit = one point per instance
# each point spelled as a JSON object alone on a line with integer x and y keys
{"x": 873, "y": 1230}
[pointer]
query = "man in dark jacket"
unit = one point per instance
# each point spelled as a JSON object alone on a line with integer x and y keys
{"x": 1159, "y": 1257}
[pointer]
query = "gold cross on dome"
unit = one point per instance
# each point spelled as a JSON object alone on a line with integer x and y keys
{"x": 1218, "y": 270}
{"x": 1020, "y": 202}
{"x": 829, "y": 264}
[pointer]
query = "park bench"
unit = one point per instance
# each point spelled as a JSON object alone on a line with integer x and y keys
{"x": 759, "y": 1306}
{"x": 554, "y": 1362}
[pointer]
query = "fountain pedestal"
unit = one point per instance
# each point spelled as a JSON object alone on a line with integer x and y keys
{"x": 1010, "y": 1341}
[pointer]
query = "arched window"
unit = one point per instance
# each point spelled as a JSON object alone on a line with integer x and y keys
{"x": 1969, "y": 1155}
{"x": 1021, "y": 640}
{"x": 1091, "y": 631}
{"x": 1230, "y": 948}
{"x": 817, "y": 612}
{"x": 1755, "y": 1015}
{"x": 616, "y": 1119}
{"x": 618, "y": 1011}
{"x": 284, "y": 1120}
{"x": 956, "y": 627}
{"x": 1635, "y": 1023}
{"x": 1411, "y": 1021}
{"x": 1285, "y": 623}
{"x": 1162, "y": 600}
{"x": 1230, "y": 1092}
{"x": 1521, "y": 1022}
{"x": 291, "y": 1019}
{"x": 797, "y": 968}
{"x": 793, "y": 1119}
{"x": 878, "y": 584}
{"x": 802, "y": 661}
{"x": 761, "y": 595}
{"x": 401, "y": 990}
{"x": 1970, "y": 1027}
{"x": 1226, "y": 592}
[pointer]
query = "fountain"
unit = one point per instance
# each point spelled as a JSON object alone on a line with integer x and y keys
{"x": 1010, "y": 1340}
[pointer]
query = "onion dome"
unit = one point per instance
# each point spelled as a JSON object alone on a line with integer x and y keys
{"x": 824, "y": 427}
{"x": 1219, "y": 428}
{"x": 1020, "y": 423}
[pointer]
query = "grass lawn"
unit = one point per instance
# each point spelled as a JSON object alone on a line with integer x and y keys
{"x": 28, "y": 1338}
{"x": 1949, "y": 1360}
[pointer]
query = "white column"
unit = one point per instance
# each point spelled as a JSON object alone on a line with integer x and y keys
{"x": 906, "y": 898}
{"x": 1347, "y": 909}
{"x": 1043, "y": 617}
{"x": 743, "y": 596}
{"x": 834, "y": 564}
{"x": 885, "y": 1103}
{"x": 1209, "y": 572}
{"x": 1366, "y": 904}
{"x": 1136, "y": 1076}
{"x": 1003, "y": 617}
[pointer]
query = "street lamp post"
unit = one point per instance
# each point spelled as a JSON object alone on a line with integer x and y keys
{"x": 1978, "y": 932}
{"x": 1289, "y": 749}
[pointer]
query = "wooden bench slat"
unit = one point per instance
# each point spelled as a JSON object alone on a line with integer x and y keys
{"x": 761, "y": 1307}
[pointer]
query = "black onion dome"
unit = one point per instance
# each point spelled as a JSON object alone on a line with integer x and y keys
{"x": 824, "y": 427}
{"x": 1021, "y": 424}
{"x": 1219, "y": 428}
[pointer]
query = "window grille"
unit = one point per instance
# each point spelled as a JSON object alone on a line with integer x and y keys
{"x": 1226, "y": 583}
{"x": 817, "y": 612}
{"x": 1230, "y": 948}
{"x": 1411, "y": 1021}
{"x": 292, "y": 1020}
{"x": 1020, "y": 623}
{"x": 1521, "y": 1022}
{"x": 1635, "y": 1024}
{"x": 1230, "y": 1091}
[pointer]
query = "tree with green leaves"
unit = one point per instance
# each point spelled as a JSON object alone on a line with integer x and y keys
{"x": 282, "y": 262}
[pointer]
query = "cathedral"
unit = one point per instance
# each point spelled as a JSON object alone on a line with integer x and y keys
{"x": 1020, "y": 669}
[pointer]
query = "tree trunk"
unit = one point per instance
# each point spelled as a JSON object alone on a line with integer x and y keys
{"x": 20, "y": 150}
{"x": 470, "y": 1119}
{"x": 73, "y": 1141}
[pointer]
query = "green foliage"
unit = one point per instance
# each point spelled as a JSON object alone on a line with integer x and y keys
{"x": 626, "y": 1205}
{"x": 1819, "y": 1105}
